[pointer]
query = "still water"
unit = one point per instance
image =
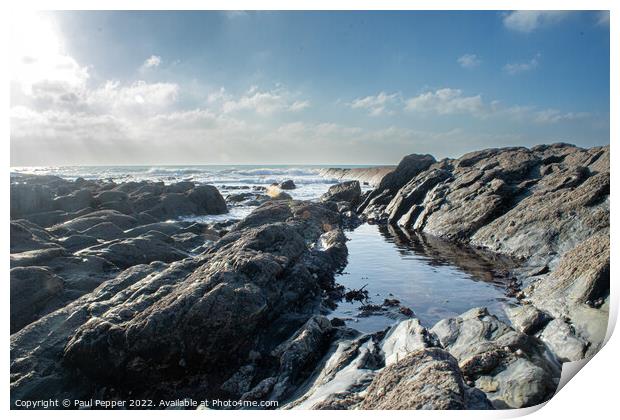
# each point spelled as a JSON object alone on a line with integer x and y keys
{"x": 434, "y": 278}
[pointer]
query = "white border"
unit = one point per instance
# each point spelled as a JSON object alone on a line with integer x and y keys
{"x": 591, "y": 395}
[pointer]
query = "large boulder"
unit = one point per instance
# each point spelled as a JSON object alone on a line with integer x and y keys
{"x": 348, "y": 191}
{"x": 75, "y": 201}
{"x": 287, "y": 185}
{"x": 208, "y": 199}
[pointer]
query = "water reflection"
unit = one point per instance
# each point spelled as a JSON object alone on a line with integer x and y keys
{"x": 434, "y": 278}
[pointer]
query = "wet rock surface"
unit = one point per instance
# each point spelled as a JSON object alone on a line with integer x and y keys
{"x": 217, "y": 324}
{"x": 68, "y": 229}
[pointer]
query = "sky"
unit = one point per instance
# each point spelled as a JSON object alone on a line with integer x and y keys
{"x": 144, "y": 88}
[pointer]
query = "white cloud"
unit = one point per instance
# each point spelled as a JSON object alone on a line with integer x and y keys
{"x": 299, "y": 106}
{"x": 115, "y": 95}
{"x": 152, "y": 61}
{"x": 527, "y": 21}
{"x": 603, "y": 18}
{"x": 469, "y": 61}
{"x": 521, "y": 67}
{"x": 376, "y": 105}
{"x": 262, "y": 102}
{"x": 447, "y": 101}
{"x": 552, "y": 116}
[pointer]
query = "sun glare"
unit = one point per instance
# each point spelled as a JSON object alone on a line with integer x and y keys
{"x": 37, "y": 52}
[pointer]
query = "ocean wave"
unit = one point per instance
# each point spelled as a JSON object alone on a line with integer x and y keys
{"x": 277, "y": 171}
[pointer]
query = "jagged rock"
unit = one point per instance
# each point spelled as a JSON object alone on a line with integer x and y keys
{"x": 404, "y": 338}
{"x": 409, "y": 167}
{"x": 202, "y": 315}
{"x": 427, "y": 379}
{"x": 31, "y": 289}
{"x": 300, "y": 352}
{"x": 48, "y": 218}
{"x": 486, "y": 347}
{"x": 349, "y": 191}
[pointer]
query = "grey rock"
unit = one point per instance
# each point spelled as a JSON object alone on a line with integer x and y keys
{"x": 73, "y": 202}
{"x": 428, "y": 379}
{"x": 486, "y": 347}
{"x": 527, "y": 318}
{"x": 349, "y": 192}
{"x": 287, "y": 185}
{"x": 561, "y": 339}
{"x": 31, "y": 289}
{"x": 105, "y": 230}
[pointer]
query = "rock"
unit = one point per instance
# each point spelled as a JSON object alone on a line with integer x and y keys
{"x": 188, "y": 241}
{"x": 347, "y": 370}
{"x": 112, "y": 196}
{"x": 561, "y": 339}
{"x": 208, "y": 199}
{"x": 527, "y": 318}
{"x": 48, "y": 218}
{"x": 300, "y": 352}
{"x": 80, "y": 224}
{"x": 404, "y": 338}
{"x": 349, "y": 191}
{"x": 26, "y": 236}
{"x": 31, "y": 289}
{"x": 486, "y": 347}
{"x": 180, "y": 187}
{"x": 427, "y": 379}
{"x": 133, "y": 251}
{"x": 247, "y": 294}
{"x": 74, "y": 202}
{"x": 105, "y": 230}
{"x": 37, "y": 257}
{"x": 77, "y": 242}
{"x": 409, "y": 167}
{"x": 287, "y": 185}
{"x": 27, "y": 199}
{"x": 204, "y": 199}
{"x": 581, "y": 275}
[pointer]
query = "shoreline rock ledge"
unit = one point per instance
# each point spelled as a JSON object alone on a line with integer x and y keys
{"x": 547, "y": 206}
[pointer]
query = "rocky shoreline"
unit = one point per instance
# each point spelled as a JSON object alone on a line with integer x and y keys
{"x": 112, "y": 299}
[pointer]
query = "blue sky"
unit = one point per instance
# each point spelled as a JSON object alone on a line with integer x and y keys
{"x": 302, "y": 87}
